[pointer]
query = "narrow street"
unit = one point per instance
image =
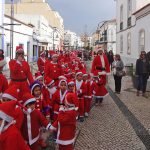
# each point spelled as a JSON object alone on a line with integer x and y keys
{"x": 120, "y": 123}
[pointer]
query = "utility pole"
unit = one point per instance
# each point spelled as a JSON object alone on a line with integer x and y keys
{"x": 11, "y": 30}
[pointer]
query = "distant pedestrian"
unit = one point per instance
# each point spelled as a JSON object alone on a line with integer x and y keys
{"x": 110, "y": 58}
{"x": 142, "y": 71}
{"x": 118, "y": 72}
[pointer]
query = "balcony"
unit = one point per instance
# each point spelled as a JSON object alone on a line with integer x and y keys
{"x": 129, "y": 22}
{"x": 121, "y": 25}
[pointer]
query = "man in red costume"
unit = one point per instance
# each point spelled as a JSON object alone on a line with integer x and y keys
{"x": 100, "y": 64}
{"x": 20, "y": 72}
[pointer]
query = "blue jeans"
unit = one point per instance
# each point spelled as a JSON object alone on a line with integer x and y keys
{"x": 142, "y": 82}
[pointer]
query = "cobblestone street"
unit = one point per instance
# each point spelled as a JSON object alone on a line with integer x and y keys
{"x": 117, "y": 126}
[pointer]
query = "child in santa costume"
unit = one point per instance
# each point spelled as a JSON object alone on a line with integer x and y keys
{"x": 65, "y": 125}
{"x": 11, "y": 94}
{"x": 53, "y": 69}
{"x": 20, "y": 72}
{"x": 59, "y": 97}
{"x": 41, "y": 103}
{"x": 33, "y": 121}
{"x": 81, "y": 89}
{"x": 100, "y": 64}
{"x": 39, "y": 78}
{"x": 88, "y": 94}
{"x": 41, "y": 62}
{"x": 10, "y": 137}
{"x": 99, "y": 89}
{"x": 3, "y": 80}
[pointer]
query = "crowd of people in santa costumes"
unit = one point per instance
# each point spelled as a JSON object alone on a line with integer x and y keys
{"x": 56, "y": 97}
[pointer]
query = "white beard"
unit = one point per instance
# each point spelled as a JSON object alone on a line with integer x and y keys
{"x": 52, "y": 90}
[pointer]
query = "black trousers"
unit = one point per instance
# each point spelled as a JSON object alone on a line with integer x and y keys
{"x": 142, "y": 82}
{"x": 117, "y": 83}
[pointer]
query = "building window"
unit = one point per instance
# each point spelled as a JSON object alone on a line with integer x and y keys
{"x": 121, "y": 44}
{"x": 121, "y": 17}
{"x": 129, "y": 8}
{"x": 129, "y": 43}
{"x": 142, "y": 40}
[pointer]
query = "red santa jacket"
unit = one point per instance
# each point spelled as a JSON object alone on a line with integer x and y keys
{"x": 11, "y": 139}
{"x": 41, "y": 64}
{"x": 98, "y": 65}
{"x": 20, "y": 71}
{"x": 89, "y": 85}
{"x": 57, "y": 100}
{"x": 53, "y": 70}
{"x": 99, "y": 89}
{"x": 32, "y": 123}
{"x": 3, "y": 83}
{"x": 80, "y": 88}
{"x": 65, "y": 126}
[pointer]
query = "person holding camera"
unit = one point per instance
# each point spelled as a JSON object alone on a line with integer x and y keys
{"x": 20, "y": 73}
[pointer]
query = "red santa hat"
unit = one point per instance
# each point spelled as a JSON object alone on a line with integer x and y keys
{"x": 85, "y": 75}
{"x": 71, "y": 100}
{"x": 69, "y": 81}
{"x": 79, "y": 72}
{"x": 38, "y": 75}
{"x": 48, "y": 81}
{"x": 2, "y": 63}
{"x": 53, "y": 54}
{"x": 19, "y": 49}
{"x": 7, "y": 111}
{"x": 62, "y": 80}
{"x": 11, "y": 93}
{"x": 33, "y": 85}
{"x": 28, "y": 98}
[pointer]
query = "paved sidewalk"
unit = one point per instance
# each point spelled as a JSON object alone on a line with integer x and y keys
{"x": 122, "y": 122}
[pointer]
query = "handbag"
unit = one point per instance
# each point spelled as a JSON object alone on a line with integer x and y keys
{"x": 121, "y": 73}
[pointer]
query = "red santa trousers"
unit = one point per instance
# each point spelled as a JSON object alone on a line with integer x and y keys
{"x": 81, "y": 107}
{"x": 87, "y": 104}
{"x": 66, "y": 147}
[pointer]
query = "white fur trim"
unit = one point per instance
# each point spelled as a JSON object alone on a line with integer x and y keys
{"x": 102, "y": 73}
{"x": 34, "y": 86}
{"x": 42, "y": 53}
{"x": 6, "y": 117}
{"x": 48, "y": 126}
{"x": 38, "y": 77}
{"x": 54, "y": 55}
{"x": 78, "y": 73}
{"x": 101, "y": 96}
{"x": 29, "y": 101}
{"x": 52, "y": 128}
{"x": 3, "y": 63}
{"x": 62, "y": 77}
{"x": 62, "y": 81}
{"x": 66, "y": 142}
{"x": 71, "y": 82}
{"x": 85, "y": 74}
{"x": 8, "y": 96}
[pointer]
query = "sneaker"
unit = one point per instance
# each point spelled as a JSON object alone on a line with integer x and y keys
{"x": 81, "y": 119}
{"x": 86, "y": 114}
{"x": 144, "y": 95}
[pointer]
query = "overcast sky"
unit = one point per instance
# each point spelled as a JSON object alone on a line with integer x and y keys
{"x": 84, "y": 15}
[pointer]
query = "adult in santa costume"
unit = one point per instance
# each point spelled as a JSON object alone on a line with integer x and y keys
{"x": 65, "y": 125}
{"x": 53, "y": 69}
{"x": 100, "y": 64}
{"x": 33, "y": 121}
{"x": 20, "y": 72}
{"x": 41, "y": 62}
{"x": 3, "y": 80}
{"x": 11, "y": 94}
{"x": 10, "y": 137}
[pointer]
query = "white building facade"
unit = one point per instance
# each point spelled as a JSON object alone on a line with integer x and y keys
{"x": 132, "y": 28}
{"x": 107, "y": 36}
{"x": 22, "y": 36}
